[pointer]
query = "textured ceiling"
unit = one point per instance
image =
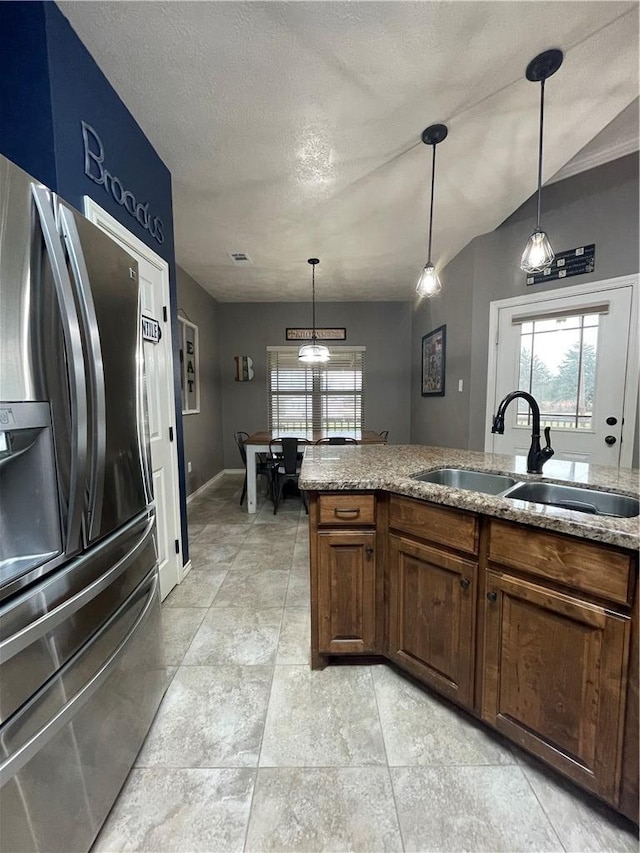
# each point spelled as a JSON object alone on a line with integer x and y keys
{"x": 293, "y": 129}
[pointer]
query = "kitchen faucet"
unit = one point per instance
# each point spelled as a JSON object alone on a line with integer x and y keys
{"x": 536, "y": 456}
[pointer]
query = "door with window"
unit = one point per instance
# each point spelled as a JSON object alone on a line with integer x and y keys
{"x": 572, "y": 350}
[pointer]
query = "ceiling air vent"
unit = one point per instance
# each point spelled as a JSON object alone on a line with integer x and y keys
{"x": 240, "y": 259}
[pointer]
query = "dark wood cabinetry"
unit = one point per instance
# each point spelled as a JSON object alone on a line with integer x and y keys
{"x": 533, "y": 631}
{"x": 343, "y": 575}
{"x": 346, "y": 592}
{"x": 432, "y": 616}
{"x": 554, "y": 678}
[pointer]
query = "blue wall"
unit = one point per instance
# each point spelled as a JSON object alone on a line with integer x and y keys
{"x": 49, "y": 85}
{"x": 26, "y": 124}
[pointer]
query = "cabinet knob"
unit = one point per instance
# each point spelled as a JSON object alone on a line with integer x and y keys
{"x": 465, "y": 583}
{"x": 369, "y": 552}
{"x": 492, "y": 596}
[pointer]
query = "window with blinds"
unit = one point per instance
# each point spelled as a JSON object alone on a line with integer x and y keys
{"x": 327, "y": 397}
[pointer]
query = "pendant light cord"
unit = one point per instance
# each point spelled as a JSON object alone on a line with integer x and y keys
{"x": 433, "y": 181}
{"x": 313, "y": 302}
{"x": 540, "y": 152}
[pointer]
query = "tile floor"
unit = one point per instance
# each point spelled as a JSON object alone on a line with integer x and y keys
{"x": 253, "y": 751}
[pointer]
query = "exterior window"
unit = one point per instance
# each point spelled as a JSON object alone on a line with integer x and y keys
{"x": 323, "y": 397}
{"x": 558, "y": 366}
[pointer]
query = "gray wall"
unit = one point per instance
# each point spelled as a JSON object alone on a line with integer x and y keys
{"x": 383, "y": 327}
{"x": 599, "y": 206}
{"x": 203, "y": 432}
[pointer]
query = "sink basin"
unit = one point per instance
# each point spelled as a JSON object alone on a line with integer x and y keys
{"x": 459, "y": 478}
{"x": 581, "y": 500}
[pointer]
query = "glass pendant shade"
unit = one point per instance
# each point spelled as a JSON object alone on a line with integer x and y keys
{"x": 538, "y": 254}
{"x": 428, "y": 283}
{"x": 313, "y": 353}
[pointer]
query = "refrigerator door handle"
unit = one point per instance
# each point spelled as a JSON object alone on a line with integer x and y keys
{"x": 96, "y": 369}
{"x": 21, "y": 639}
{"x": 19, "y": 758}
{"x": 77, "y": 382}
{"x": 142, "y": 410}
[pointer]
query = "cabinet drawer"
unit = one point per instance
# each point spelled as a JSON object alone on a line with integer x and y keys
{"x": 445, "y": 525}
{"x": 582, "y": 565}
{"x": 347, "y": 508}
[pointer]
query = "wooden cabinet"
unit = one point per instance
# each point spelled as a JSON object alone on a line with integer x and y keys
{"x": 534, "y": 631}
{"x": 346, "y": 592}
{"x": 555, "y": 678}
{"x": 344, "y": 582}
{"x": 432, "y": 598}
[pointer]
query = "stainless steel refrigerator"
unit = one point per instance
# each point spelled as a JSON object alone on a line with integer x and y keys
{"x": 81, "y": 668}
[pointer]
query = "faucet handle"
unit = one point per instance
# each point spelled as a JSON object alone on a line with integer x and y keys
{"x": 547, "y": 451}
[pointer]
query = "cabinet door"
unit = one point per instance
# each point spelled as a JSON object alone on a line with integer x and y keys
{"x": 346, "y": 592}
{"x": 432, "y": 616}
{"x": 554, "y": 678}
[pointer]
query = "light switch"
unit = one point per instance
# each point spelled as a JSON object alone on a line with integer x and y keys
{"x": 460, "y": 384}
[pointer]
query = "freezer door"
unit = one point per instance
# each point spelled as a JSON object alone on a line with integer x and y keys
{"x": 106, "y": 282}
{"x": 66, "y": 754}
{"x": 41, "y": 629}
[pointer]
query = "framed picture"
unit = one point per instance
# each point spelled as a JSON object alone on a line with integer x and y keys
{"x": 321, "y": 334}
{"x": 190, "y": 367}
{"x": 433, "y": 362}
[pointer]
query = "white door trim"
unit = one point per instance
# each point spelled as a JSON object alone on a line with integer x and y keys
{"x": 111, "y": 226}
{"x": 631, "y": 383}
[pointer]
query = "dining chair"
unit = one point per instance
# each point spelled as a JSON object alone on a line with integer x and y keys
{"x": 337, "y": 439}
{"x": 285, "y": 467}
{"x": 262, "y": 464}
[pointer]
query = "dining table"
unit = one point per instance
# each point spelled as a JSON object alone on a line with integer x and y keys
{"x": 259, "y": 442}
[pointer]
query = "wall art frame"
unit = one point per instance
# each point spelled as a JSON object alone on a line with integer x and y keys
{"x": 434, "y": 351}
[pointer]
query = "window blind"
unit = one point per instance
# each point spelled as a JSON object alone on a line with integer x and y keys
{"x": 326, "y": 397}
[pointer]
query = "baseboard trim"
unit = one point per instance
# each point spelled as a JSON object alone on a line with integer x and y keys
{"x": 185, "y": 570}
{"x": 207, "y": 485}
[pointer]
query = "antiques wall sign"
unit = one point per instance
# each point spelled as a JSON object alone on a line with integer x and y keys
{"x": 94, "y": 169}
{"x": 566, "y": 264}
{"x": 321, "y": 334}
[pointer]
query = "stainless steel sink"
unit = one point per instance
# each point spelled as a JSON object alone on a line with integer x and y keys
{"x": 575, "y": 498}
{"x": 459, "y": 478}
{"x": 551, "y": 494}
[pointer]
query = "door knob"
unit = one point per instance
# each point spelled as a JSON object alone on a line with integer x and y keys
{"x": 611, "y": 421}
{"x": 610, "y": 440}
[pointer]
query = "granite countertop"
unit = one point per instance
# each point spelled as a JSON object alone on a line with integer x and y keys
{"x": 389, "y": 468}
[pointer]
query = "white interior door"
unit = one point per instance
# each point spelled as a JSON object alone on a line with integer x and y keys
{"x": 153, "y": 275}
{"x": 573, "y": 351}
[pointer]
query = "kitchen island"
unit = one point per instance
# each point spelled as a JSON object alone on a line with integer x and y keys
{"x": 524, "y": 614}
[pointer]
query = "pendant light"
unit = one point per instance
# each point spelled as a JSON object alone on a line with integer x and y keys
{"x": 313, "y": 353}
{"x": 538, "y": 254}
{"x": 429, "y": 283}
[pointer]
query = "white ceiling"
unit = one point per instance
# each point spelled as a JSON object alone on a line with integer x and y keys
{"x": 293, "y": 129}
